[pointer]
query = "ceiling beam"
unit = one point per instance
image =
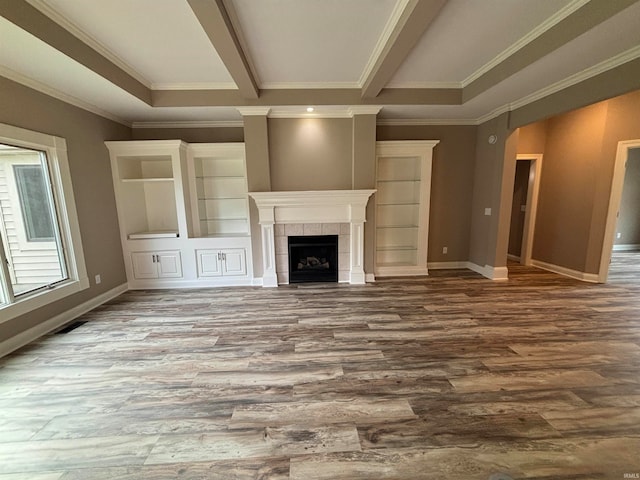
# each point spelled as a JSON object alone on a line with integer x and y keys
{"x": 581, "y": 20}
{"x": 216, "y": 22}
{"x": 39, "y": 25}
{"x": 306, "y": 97}
{"x": 413, "y": 17}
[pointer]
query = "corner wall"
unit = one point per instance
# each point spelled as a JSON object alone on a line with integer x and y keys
{"x": 85, "y": 134}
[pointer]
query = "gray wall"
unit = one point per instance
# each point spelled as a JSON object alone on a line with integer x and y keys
{"x": 85, "y": 134}
{"x": 629, "y": 221}
{"x": 190, "y": 135}
{"x": 310, "y": 153}
{"x": 451, "y": 185}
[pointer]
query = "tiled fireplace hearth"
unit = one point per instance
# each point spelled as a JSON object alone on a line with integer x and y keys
{"x": 332, "y": 212}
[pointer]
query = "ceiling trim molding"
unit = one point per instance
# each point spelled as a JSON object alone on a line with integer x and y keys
{"x": 282, "y": 111}
{"x": 308, "y": 85}
{"x": 386, "y": 33}
{"x": 190, "y": 124}
{"x": 30, "y": 19}
{"x": 242, "y": 41}
{"x": 214, "y": 19}
{"x": 581, "y": 19}
{"x": 424, "y": 85}
{"x": 84, "y": 37}
{"x": 576, "y": 78}
{"x": 245, "y": 111}
{"x": 409, "y": 122}
{"x": 58, "y": 95}
{"x": 305, "y": 97}
{"x": 410, "y": 23}
{"x": 528, "y": 38}
{"x": 194, "y": 86}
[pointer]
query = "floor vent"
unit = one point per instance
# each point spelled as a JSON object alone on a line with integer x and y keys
{"x": 71, "y": 326}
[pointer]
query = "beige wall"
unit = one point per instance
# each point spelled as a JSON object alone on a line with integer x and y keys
{"x": 310, "y": 153}
{"x": 532, "y": 138}
{"x": 190, "y": 135}
{"x": 451, "y": 185}
{"x": 85, "y": 134}
{"x": 492, "y": 188}
{"x": 572, "y": 152}
{"x": 579, "y": 155}
{"x": 629, "y": 221}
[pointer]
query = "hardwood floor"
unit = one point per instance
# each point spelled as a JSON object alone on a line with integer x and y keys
{"x": 450, "y": 376}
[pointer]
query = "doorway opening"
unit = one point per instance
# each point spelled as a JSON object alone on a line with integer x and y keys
{"x": 621, "y": 246}
{"x": 523, "y": 210}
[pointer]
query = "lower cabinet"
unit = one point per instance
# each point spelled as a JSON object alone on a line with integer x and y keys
{"x": 222, "y": 263}
{"x": 163, "y": 264}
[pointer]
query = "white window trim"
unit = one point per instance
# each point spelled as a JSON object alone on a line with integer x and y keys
{"x": 56, "y": 150}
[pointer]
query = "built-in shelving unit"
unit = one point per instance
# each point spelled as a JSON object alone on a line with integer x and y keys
{"x": 219, "y": 189}
{"x": 403, "y": 180}
{"x": 176, "y": 200}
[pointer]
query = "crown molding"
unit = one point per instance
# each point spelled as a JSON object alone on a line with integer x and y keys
{"x": 388, "y": 29}
{"x": 308, "y": 85}
{"x": 424, "y": 85}
{"x": 57, "y": 94}
{"x": 403, "y": 122}
{"x": 195, "y": 86}
{"x": 324, "y": 112}
{"x": 244, "y": 111}
{"x": 84, "y": 37}
{"x": 528, "y": 38}
{"x": 576, "y": 78}
{"x": 190, "y": 124}
{"x": 364, "y": 110}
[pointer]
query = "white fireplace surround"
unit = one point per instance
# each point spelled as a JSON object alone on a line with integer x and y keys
{"x": 326, "y": 206}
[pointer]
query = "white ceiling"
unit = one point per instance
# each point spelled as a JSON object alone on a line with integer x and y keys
{"x": 306, "y": 44}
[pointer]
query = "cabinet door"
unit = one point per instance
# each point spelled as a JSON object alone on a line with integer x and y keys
{"x": 169, "y": 264}
{"x": 144, "y": 265}
{"x": 234, "y": 261}
{"x": 209, "y": 263}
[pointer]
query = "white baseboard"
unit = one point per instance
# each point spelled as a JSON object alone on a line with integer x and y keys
{"x": 567, "y": 272}
{"x": 369, "y": 278}
{"x": 33, "y": 333}
{"x": 492, "y": 273}
{"x": 257, "y": 282}
{"x": 447, "y": 265}
{"x": 630, "y": 247}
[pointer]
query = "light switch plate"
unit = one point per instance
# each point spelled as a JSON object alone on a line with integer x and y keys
{"x": 487, "y": 211}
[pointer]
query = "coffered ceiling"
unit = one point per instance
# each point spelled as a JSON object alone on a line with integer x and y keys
{"x": 148, "y": 62}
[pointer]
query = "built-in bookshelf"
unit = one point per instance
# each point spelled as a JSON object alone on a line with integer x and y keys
{"x": 219, "y": 197}
{"x": 403, "y": 177}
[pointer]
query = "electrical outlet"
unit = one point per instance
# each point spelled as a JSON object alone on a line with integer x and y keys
{"x": 444, "y": 250}
{"x": 487, "y": 212}
{"x": 618, "y": 235}
{"x": 98, "y": 279}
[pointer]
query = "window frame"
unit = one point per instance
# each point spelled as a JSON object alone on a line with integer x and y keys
{"x": 29, "y": 225}
{"x": 55, "y": 149}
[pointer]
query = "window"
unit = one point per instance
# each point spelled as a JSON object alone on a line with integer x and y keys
{"x": 35, "y": 202}
{"x": 41, "y": 252}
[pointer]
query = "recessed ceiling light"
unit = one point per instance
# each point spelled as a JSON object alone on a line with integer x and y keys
{"x": 310, "y": 109}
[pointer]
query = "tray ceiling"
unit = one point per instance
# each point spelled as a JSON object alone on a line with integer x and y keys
{"x": 420, "y": 60}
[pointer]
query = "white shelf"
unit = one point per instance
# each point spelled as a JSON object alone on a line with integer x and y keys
{"x": 403, "y": 173}
{"x": 145, "y": 180}
{"x": 157, "y": 234}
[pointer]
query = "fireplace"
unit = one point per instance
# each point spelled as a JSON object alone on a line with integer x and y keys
{"x": 313, "y": 258}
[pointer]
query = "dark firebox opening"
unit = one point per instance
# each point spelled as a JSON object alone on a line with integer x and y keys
{"x": 313, "y": 259}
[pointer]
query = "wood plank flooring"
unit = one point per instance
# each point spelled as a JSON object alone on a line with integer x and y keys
{"x": 447, "y": 376}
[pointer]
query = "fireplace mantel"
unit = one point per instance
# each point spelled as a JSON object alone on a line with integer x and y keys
{"x": 325, "y": 206}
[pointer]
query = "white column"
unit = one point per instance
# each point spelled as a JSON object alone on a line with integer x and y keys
{"x": 269, "y": 276}
{"x": 356, "y": 273}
